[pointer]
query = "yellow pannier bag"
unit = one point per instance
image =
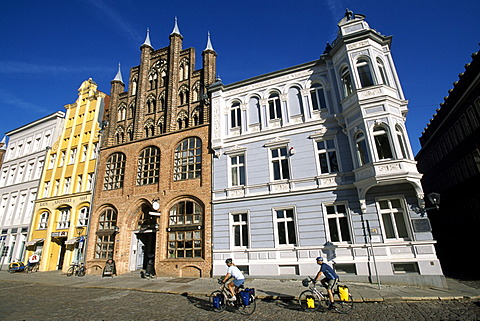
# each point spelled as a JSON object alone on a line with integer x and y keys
{"x": 343, "y": 291}
{"x": 310, "y": 303}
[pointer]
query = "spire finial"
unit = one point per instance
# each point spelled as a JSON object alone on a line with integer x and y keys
{"x": 175, "y": 28}
{"x": 118, "y": 76}
{"x": 147, "y": 39}
{"x": 209, "y": 43}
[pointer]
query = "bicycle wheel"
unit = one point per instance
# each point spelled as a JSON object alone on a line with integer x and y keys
{"x": 34, "y": 268}
{"x": 218, "y": 301}
{"x": 81, "y": 271}
{"x": 343, "y": 307}
{"x": 70, "y": 271}
{"x": 309, "y": 301}
{"x": 27, "y": 269}
{"x": 247, "y": 309}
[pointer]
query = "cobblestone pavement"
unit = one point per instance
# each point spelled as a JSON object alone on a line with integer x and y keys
{"x": 28, "y": 301}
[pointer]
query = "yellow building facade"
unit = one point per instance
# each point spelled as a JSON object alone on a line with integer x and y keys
{"x": 62, "y": 209}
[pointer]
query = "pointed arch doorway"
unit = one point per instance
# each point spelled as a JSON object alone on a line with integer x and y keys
{"x": 144, "y": 240}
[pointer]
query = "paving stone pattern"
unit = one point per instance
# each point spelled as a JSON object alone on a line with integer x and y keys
{"x": 33, "y": 301}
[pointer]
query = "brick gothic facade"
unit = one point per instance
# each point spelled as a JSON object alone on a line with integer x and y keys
{"x": 155, "y": 151}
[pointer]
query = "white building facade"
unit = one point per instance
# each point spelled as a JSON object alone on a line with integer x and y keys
{"x": 314, "y": 160}
{"x": 19, "y": 178}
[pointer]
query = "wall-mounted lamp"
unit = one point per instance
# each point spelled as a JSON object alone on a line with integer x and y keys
{"x": 434, "y": 198}
{"x": 116, "y": 229}
{"x": 292, "y": 151}
{"x": 79, "y": 230}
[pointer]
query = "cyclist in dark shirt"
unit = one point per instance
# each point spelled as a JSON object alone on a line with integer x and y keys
{"x": 330, "y": 279}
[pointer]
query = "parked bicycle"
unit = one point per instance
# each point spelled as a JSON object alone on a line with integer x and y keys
{"x": 245, "y": 302}
{"x": 32, "y": 267}
{"x": 313, "y": 299}
{"x": 77, "y": 269}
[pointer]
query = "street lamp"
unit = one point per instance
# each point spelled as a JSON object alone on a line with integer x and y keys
{"x": 434, "y": 198}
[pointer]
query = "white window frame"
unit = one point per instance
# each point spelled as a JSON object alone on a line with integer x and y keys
{"x": 64, "y": 218}
{"x": 277, "y": 220}
{"x": 83, "y": 216}
{"x": 315, "y": 88}
{"x": 337, "y": 216}
{"x": 326, "y": 151}
{"x": 279, "y": 158}
{"x": 391, "y": 212}
{"x": 240, "y": 223}
{"x": 235, "y": 115}
{"x": 43, "y": 220}
{"x": 239, "y": 167}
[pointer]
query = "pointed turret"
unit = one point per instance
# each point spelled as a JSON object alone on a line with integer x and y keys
{"x": 209, "y": 43}
{"x": 118, "y": 76}
{"x": 209, "y": 62}
{"x": 147, "y": 39}
{"x": 175, "y": 30}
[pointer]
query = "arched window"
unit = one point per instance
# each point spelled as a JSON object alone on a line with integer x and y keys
{"x": 188, "y": 159}
{"x": 131, "y": 111}
{"x": 130, "y": 134}
{"x": 382, "y": 142}
{"x": 317, "y": 94}
{"x": 346, "y": 80}
{"x": 63, "y": 218}
{"x": 121, "y": 113}
{"x": 163, "y": 82}
{"x": 120, "y": 136}
{"x": 149, "y": 129}
{"x": 365, "y": 72}
{"x": 185, "y": 233}
{"x": 295, "y": 103}
{"x": 151, "y": 106}
{"x": 114, "y": 171}
{"x": 134, "y": 86}
{"x": 362, "y": 152}
{"x": 43, "y": 222}
{"x": 153, "y": 80}
{"x": 401, "y": 141}
{"x": 383, "y": 72}
{"x": 254, "y": 110}
{"x": 197, "y": 116}
{"x": 83, "y": 215}
{"x": 148, "y": 168}
{"x": 274, "y": 107}
{"x": 161, "y": 127}
{"x": 161, "y": 101}
{"x": 105, "y": 242}
{"x": 235, "y": 115}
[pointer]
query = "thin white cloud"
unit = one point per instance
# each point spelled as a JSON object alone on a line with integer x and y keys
{"x": 118, "y": 21}
{"x": 18, "y": 67}
{"x": 9, "y": 101}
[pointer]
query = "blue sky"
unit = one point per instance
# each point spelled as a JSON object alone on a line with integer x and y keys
{"x": 48, "y": 48}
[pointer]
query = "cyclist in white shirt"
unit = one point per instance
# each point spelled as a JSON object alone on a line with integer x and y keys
{"x": 238, "y": 278}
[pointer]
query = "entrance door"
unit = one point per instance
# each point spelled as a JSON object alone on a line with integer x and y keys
{"x": 140, "y": 253}
{"x": 63, "y": 249}
{"x": 145, "y": 249}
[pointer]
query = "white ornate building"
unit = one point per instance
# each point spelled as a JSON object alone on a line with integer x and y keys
{"x": 19, "y": 177}
{"x": 314, "y": 160}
